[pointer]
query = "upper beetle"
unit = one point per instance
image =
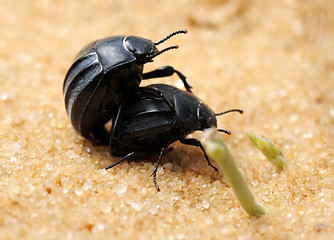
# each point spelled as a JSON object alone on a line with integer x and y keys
{"x": 147, "y": 125}
{"x": 104, "y": 73}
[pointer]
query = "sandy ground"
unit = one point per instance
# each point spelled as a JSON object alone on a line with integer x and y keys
{"x": 273, "y": 59}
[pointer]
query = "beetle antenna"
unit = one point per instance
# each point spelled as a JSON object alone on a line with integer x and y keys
{"x": 171, "y": 35}
{"x": 163, "y": 50}
{"x": 228, "y": 111}
{"x": 224, "y": 131}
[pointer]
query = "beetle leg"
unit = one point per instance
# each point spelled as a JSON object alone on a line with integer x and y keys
{"x": 114, "y": 132}
{"x": 167, "y": 71}
{"x": 154, "y": 173}
{"x": 119, "y": 161}
{"x": 197, "y": 143}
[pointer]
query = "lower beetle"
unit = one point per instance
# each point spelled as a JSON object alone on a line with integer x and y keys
{"x": 146, "y": 124}
{"x": 104, "y": 73}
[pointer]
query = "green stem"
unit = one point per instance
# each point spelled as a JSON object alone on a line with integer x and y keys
{"x": 216, "y": 149}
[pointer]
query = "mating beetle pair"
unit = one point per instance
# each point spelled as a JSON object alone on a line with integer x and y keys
{"x": 103, "y": 84}
{"x": 147, "y": 125}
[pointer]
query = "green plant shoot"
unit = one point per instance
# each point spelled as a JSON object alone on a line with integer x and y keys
{"x": 216, "y": 149}
{"x": 269, "y": 149}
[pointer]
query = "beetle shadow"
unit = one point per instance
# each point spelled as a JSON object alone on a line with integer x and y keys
{"x": 182, "y": 159}
{"x": 185, "y": 159}
{"x": 190, "y": 159}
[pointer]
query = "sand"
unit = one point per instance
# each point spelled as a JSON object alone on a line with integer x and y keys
{"x": 274, "y": 60}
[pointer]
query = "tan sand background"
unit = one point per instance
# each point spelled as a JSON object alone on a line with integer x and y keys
{"x": 273, "y": 59}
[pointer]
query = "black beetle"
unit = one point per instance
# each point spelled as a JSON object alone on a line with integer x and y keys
{"x": 146, "y": 124}
{"x": 104, "y": 73}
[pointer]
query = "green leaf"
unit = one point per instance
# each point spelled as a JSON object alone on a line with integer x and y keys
{"x": 269, "y": 150}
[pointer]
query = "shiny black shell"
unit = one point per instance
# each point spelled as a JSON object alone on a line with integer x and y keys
{"x": 100, "y": 77}
{"x": 148, "y": 124}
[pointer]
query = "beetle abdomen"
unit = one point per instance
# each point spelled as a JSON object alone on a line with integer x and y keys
{"x": 80, "y": 84}
{"x": 78, "y": 66}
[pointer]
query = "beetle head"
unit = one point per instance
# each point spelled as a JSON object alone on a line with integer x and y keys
{"x": 144, "y": 49}
{"x": 193, "y": 114}
{"x": 206, "y": 117}
{"x": 141, "y": 48}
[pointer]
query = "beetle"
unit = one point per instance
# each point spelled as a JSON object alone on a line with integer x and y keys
{"x": 146, "y": 124}
{"x": 104, "y": 73}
